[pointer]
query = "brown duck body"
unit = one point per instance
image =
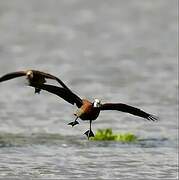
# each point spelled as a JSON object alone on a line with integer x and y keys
{"x": 34, "y": 77}
{"x": 87, "y": 111}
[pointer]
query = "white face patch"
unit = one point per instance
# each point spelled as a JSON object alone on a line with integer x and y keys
{"x": 97, "y": 103}
{"x": 30, "y": 74}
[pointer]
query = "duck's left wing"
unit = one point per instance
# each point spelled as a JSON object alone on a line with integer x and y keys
{"x": 128, "y": 109}
{"x": 50, "y": 76}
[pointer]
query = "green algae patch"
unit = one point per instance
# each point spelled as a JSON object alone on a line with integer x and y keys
{"x": 108, "y": 135}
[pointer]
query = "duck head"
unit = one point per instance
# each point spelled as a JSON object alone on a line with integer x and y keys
{"x": 29, "y": 75}
{"x": 96, "y": 103}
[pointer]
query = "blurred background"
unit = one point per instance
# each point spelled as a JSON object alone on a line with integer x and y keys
{"x": 117, "y": 51}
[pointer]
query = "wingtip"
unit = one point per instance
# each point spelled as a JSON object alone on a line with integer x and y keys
{"x": 153, "y": 118}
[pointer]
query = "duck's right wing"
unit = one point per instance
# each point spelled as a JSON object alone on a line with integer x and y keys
{"x": 65, "y": 94}
{"x": 12, "y": 75}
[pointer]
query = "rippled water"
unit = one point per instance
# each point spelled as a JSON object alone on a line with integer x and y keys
{"x": 118, "y": 51}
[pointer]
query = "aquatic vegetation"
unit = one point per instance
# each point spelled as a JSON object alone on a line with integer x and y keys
{"x": 108, "y": 135}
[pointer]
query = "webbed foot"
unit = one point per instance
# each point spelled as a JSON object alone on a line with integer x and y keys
{"x": 73, "y": 123}
{"x": 89, "y": 133}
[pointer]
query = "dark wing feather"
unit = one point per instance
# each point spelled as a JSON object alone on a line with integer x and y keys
{"x": 12, "y": 75}
{"x": 50, "y": 76}
{"x": 61, "y": 92}
{"x": 128, "y": 109}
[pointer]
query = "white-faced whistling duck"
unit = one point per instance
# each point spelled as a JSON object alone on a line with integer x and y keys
{"x": 34, "y": 77}
{"x": 90, "y": 110}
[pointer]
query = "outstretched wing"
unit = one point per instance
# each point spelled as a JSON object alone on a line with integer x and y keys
{"x": 128, "y": 109}
{"x": 65, "y": 94}
{"x": 50, "y": 76}
{"x": 12, "y": 75}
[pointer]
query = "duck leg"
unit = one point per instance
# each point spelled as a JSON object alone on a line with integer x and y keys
{"x": 37, "y": 91}
{"x": 89, "y": 133}
{"x": 73, "y": 123}
{"x": 36, "y": 86}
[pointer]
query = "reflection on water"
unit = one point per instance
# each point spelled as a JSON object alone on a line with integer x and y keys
{"x": 20, "y": 140}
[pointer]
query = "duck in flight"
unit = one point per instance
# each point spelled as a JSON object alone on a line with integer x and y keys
{"x": 34, "y": 77}
{"x": 90, "y": 110}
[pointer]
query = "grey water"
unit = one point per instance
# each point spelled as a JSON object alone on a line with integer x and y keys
{"x": 117, "y": 51}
